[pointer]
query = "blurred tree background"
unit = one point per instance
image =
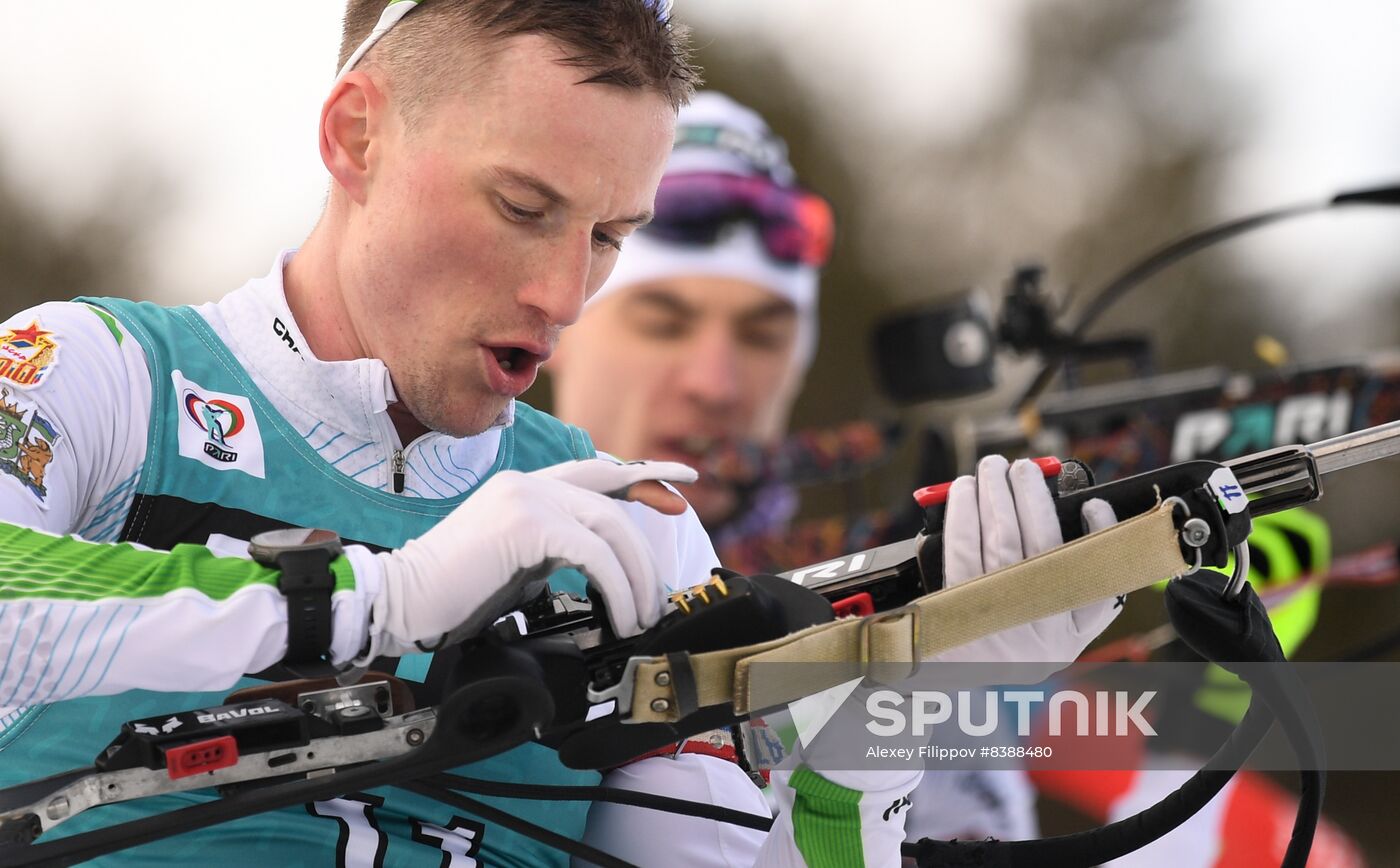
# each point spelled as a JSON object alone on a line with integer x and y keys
{"x": 44, "y": 257}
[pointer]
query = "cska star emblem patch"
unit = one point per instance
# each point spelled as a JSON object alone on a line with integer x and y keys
{"x": 26, "y": 355}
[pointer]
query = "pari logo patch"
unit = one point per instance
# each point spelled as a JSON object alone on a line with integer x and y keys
{"x": 27, "y": 355}
{"x": 217, "y": 429}
{"x": 26, "y": 444}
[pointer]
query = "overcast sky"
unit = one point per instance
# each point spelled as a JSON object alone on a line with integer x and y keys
{"x": 224, "y": 97}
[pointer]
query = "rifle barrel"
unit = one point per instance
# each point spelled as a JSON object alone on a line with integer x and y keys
{"x": 1358, "y": 447}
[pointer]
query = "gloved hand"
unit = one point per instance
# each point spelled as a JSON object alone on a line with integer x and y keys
{"x": 1003, "y": 515}
{"x": 999, "y": 517}
{"x": 498, "y": 547}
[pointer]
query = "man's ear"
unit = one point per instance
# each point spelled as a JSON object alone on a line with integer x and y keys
{"x": 349, "y": 121}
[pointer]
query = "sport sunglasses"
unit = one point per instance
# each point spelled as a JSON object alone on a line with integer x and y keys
{"x": 795, "y": 225}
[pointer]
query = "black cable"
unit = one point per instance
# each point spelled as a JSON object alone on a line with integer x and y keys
{"x": 1282, "y": 689}
{"x": 1095, "y": 846}
{"x": 1157, "y": 261}
{"x": 546, "y": 792}
{"x": 548, "y": 837}
{"x": 1227, "y": 632}
{"x": 1180, "y": 249}
{"x": 1235, "y": 633}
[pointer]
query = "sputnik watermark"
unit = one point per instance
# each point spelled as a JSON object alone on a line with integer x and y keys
{"x": 1087, "y": 716}
{"x": 1112, "y": 711}
{"x": 942, "y": 754}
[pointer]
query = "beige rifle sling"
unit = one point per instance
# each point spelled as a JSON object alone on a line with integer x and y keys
{"x": 1126, "y": 557}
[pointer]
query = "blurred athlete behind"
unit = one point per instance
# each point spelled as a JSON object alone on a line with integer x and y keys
{"x": 698, "y": 344}
{"x": 702, "y": 337}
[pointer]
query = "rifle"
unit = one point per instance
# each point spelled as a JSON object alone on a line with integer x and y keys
{"x": 554, "y": 672}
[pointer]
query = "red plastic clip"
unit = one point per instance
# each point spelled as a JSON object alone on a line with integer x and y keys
{"x": 1049, "y": 465}
{"x": 199, "y": 757}
{"x": 860, "y": 605}
{"x": 933, "y": 495}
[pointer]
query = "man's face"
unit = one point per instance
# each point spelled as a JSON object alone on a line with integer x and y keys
{"x": 678, "y": 369}
{"x": 483, "y": 231}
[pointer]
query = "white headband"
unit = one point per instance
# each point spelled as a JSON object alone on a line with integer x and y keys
{"x": 387, "y": 19}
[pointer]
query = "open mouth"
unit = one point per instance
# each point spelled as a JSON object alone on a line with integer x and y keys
{"x": 698, "y": 450}
{"x": 698, "y": 445}
{"x": 511, "y": 369}
{"x": 513, "y": 358}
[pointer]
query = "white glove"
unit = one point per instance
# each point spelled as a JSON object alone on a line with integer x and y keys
{"x": 1002, "y": 516}
{"x": 496, "y": 549}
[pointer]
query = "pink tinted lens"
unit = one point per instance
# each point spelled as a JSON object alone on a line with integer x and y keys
{"x": 796, "y": 225}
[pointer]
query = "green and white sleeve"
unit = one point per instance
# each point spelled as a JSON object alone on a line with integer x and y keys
{"x": 79, "y": 618}
{"x": 824, "y": 824}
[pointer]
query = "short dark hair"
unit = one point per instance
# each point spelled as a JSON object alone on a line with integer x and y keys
{"x": 619, "y": 42}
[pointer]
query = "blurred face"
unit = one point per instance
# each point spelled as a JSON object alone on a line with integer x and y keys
{"x": 679, "y": 368}
{"x": 473, "y": 239}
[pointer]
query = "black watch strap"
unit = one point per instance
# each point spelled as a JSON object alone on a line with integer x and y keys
{"x": 304, "y": 560}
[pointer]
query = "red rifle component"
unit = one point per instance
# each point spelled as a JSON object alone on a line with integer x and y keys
{"x": 201, "y": 756}
{"x": 861, "y": 605}
{"x": 934, "y": 495}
